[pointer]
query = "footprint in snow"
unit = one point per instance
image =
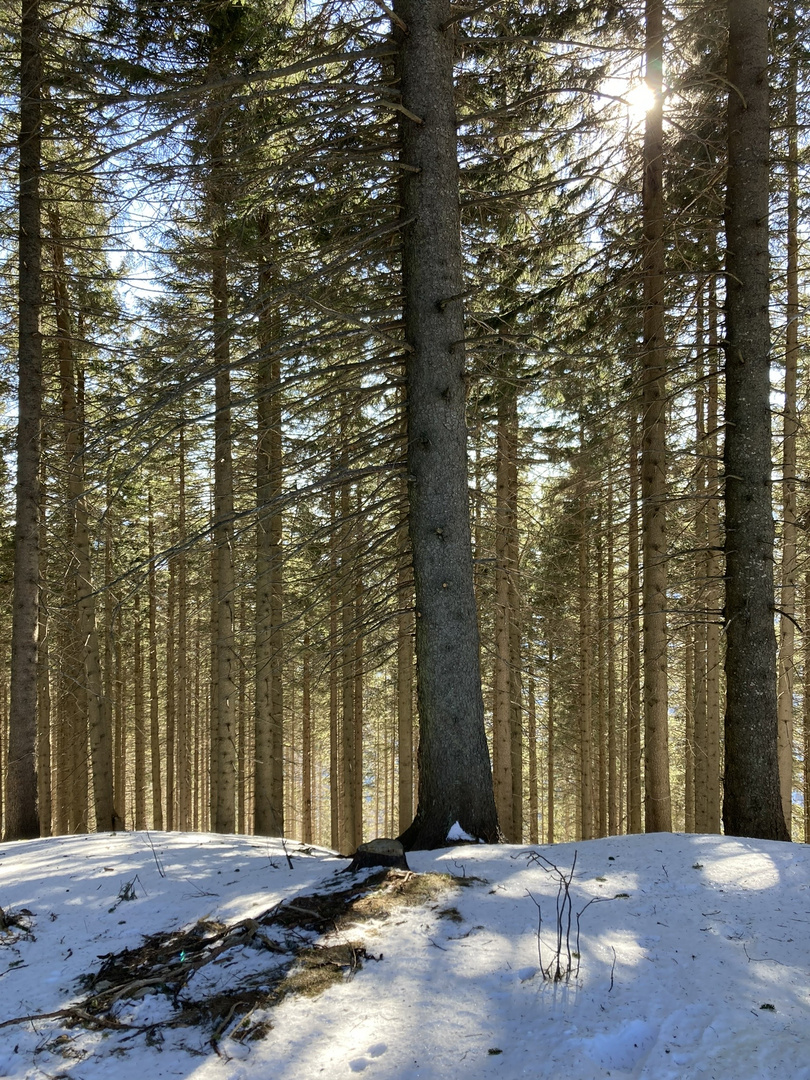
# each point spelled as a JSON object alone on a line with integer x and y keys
{"x": 361, "y": 1063}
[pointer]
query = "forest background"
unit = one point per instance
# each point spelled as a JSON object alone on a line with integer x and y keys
{"x": 224, "y": 588}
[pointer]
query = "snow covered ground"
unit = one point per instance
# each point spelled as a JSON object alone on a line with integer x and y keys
{"x": 697, "y": 967}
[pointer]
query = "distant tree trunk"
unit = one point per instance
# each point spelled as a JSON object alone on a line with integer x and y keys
{"x": 269, "y": 739}
{"x": 714, "y": 573}
{"x": 696, "y": 808}
{"x": 154, "y": 714}
{"x": 405, "y": 631}
{"x": 405, "y": 690}
{"x": 455, "y": 779}
{"x": 806, "y": 710}
{"x": 789, "y": 573}
{"x": 21, "y": 778}
{"x": 138, "y": 719}
{"x": 634, "y": 817}
{"x": 334, "y": 677}
{"x": 551, "y": 720}
{"x": 614, "y": 815}
{"x": 93, "y": 715}
{"x": 306, "y": 744}
{"x": 171, "y": 698}
{"x": 184, "y": 785}
{"x": 586, "y": 800}
{"x": 752, "y": 804}
{"x": 44, "y": 725}
{"x": 531, "y": 738}
{"x": 657, "y": 800}
{"x": 224, "y": 727}
{"x": 359, "y": 698}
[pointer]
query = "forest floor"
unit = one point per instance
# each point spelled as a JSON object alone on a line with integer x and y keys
{"x": 230, "y": 957}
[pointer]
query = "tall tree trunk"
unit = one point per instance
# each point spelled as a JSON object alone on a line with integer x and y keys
{"x": 306, "y": 744}
{"x": 586, "y": 789}
{"x": 184, "y": 784}
{"x": 455, "y": 778}
{"x": 752, "y": 804}
{"x": 154, "y": 714}
{"x": 634, "y": 816}
{"x": 44, "y": 723}
{"x": 714, "y": 574}
{"x": 405, "y": 631}
{"x": 224, "y": 726}
{"x": 791, "y": 425}
{"x": 657, "y": 800}
{"x": 94, "y": 716}
{"x": 334, "y": 678}
{"x": 269, "y": 738}
{"x": 138, "y": 719}
{"x": 551, "y": 720}
{"x": 21, "y": 778}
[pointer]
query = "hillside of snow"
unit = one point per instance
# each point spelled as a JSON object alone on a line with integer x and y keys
{"x": 164, "y": 955}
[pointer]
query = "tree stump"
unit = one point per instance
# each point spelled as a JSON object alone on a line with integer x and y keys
{"x": 380, "y": 852}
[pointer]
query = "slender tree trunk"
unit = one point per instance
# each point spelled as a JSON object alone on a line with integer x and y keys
{"x": 531, "y": 737}
{"x": 138, "y": 720}
{"x": 614, "y": 815}
{"x": 752, "y": 804}
{"x": 269, "y": 746}
{"x": 21, "y": 778}
{"x": 586, "y": 800}
{"x": 697, "y": 785}
{"x": 334, "y": 678}
{"x": 550, "y": 749}
{"x": 455, "y": 779}
{"x": 184, "y": 784}
{"x": 171, "y": 699}
{"x": 657, "y": 800}
{"x": 154, "y": 714}
{"x": 634, "y": 816}
{"x": 44, "y": 728}
{"x": 806, "y": 710}
{"x": 405, "y": 630}
{"x": 714, "y": 574}
{"x": 306, "y": 743}
{"x": 224, "y": 731}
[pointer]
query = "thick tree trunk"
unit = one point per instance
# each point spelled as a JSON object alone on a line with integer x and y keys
{"x": 787, "y": 605}
{"x": 657, "y": 800}
{"x": 21, "y": 779}
{"x": 455, "y": 779}
{"x": 752, "y": 804}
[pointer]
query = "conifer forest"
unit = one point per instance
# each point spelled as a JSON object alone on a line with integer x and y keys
{"x": 403, "y": 418}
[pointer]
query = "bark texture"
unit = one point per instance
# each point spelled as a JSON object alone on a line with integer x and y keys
{"x": 752, "y": 803}
{"x": 657, "y": 799}
{"x": 22, "y": 820}
{"x": 455, "y": 779}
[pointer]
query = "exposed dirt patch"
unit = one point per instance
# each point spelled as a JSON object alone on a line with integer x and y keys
{"x": 223, "y": 976}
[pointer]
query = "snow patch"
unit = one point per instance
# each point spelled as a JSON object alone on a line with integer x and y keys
{"x": 457, "y": 833}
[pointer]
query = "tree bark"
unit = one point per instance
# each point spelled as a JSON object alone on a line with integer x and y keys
{"x": 224, "y": 728}
{"x": 455, "y": 778}
{"x": 789, "y": 575}
{"x": 657, "y": 799}
{"x": 752, "y": 804}
{"x": 22, "y": 819}
{"x": 269, "y": 729}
